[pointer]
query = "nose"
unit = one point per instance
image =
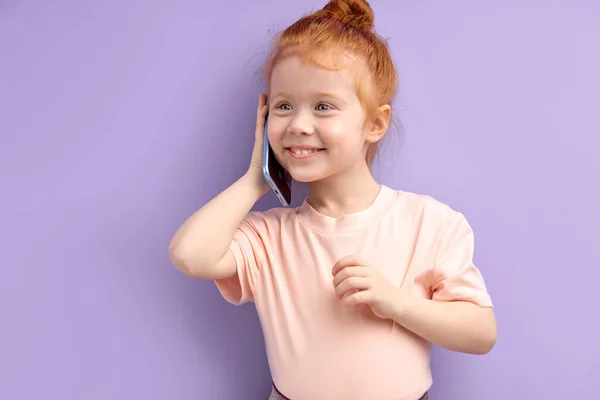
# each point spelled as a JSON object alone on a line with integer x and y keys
{"x": 301, "y": 124}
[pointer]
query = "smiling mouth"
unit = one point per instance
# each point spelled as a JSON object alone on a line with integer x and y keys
{"x": 303, "y": 152}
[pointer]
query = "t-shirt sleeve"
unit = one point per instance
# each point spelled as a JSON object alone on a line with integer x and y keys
{"x": 248, "y": 251}
{"x": 456, "y": 278}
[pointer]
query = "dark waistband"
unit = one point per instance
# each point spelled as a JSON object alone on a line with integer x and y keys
{"x": 424, "y": 397}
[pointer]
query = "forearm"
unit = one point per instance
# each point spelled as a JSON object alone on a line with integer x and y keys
{"x": 458, "y": 326}
{"x": 204, "y": 238}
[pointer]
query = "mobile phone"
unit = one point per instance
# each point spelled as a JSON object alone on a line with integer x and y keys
{"x": 279, "y": 179}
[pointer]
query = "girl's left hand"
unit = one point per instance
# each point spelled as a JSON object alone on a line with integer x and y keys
{"x": 356, "y": 282}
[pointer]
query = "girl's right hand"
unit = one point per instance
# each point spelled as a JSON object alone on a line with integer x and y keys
{"x": 256, "y": 163}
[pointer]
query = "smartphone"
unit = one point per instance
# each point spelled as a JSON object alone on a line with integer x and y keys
{"x": 279, "y": 179}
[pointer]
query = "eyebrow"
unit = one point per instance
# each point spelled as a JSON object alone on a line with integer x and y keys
{"x": 281, "y": 94}
{"x": 317, "y": 94}
{"x": 327, "y": 94}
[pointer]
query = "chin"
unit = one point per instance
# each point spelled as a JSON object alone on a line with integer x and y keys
{"x": 307, "y": 176}
{"x": 304, "y": 178}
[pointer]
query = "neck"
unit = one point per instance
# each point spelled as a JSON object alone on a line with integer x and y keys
{"x": 345, "y": 193}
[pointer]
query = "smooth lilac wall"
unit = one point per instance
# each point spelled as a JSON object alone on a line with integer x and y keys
{"x": 120, "y": 118}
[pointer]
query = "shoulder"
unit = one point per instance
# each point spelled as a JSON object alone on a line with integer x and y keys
{"x": 428, "y": 209}
{"x": 270, "y": 219}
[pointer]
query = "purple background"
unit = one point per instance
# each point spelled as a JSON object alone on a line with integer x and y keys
{"x": 120, "y": 118}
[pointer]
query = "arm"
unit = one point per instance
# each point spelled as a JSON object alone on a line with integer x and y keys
{"x": 200, "y": 247}
{"x": 458, "y": 326}
{"x": 445, "y": 320}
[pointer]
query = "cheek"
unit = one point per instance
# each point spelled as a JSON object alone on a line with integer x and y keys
{"x": 346, "y": 135}
{"x": 331, "y": 131}
{"x": 276, "y": 129}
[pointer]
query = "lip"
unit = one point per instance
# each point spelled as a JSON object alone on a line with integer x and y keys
{"x": 303, "y": 152}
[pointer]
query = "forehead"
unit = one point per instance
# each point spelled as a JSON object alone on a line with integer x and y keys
{"x": 321, "y": 73}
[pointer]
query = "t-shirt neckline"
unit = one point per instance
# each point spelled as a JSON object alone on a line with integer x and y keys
{"x": 349, "y": 222}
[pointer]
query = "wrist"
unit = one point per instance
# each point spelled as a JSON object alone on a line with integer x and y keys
{"x": 256, "y": 182}
{"x": 403, "y": 305}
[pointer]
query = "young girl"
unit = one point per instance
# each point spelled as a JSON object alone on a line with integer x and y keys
{"x": 353, "y": 286}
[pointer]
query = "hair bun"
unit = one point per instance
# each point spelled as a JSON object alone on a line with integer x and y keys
{"x": 357, "y": 13}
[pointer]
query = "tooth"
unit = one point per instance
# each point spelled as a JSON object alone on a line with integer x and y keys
{"x": 303, "y": 151}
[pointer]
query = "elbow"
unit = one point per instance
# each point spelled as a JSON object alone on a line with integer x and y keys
{"x": 175, "y": 256}
{"x": 187, "y": 261}
{"x": 486, "y": 345}
{"x": 488, "y": 332}
{"x": 487, "y": 341}
{"x": 180, "y": 258}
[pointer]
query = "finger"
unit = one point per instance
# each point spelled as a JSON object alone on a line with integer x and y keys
{"x": 261, "y": 113}
{"x": 348, "y": 272}
{"x": 352, "y": 284}
{"x": 360, "y": 297}
{"x": 348, "y": 261}
{"x": 262, "y": 101}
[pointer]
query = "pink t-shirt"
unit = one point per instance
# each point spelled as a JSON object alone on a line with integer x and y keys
{"x": 317, "y": 347}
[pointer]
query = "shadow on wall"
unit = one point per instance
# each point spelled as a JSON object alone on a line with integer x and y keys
{"x": 227, "y": 338}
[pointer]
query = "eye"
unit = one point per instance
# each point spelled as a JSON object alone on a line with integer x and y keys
{"x": 323, "y": 107}
{"x": 284, "y": 107}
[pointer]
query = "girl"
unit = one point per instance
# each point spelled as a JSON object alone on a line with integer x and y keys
{"x": 353, "y": 286}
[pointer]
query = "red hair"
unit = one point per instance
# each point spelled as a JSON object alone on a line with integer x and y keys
{"x": 347, "y": 27}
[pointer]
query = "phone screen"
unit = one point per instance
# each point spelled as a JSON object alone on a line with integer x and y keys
{"x": 279, "y": 179}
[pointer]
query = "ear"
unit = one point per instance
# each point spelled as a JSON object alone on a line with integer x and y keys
{"x": 377, "y": 128}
